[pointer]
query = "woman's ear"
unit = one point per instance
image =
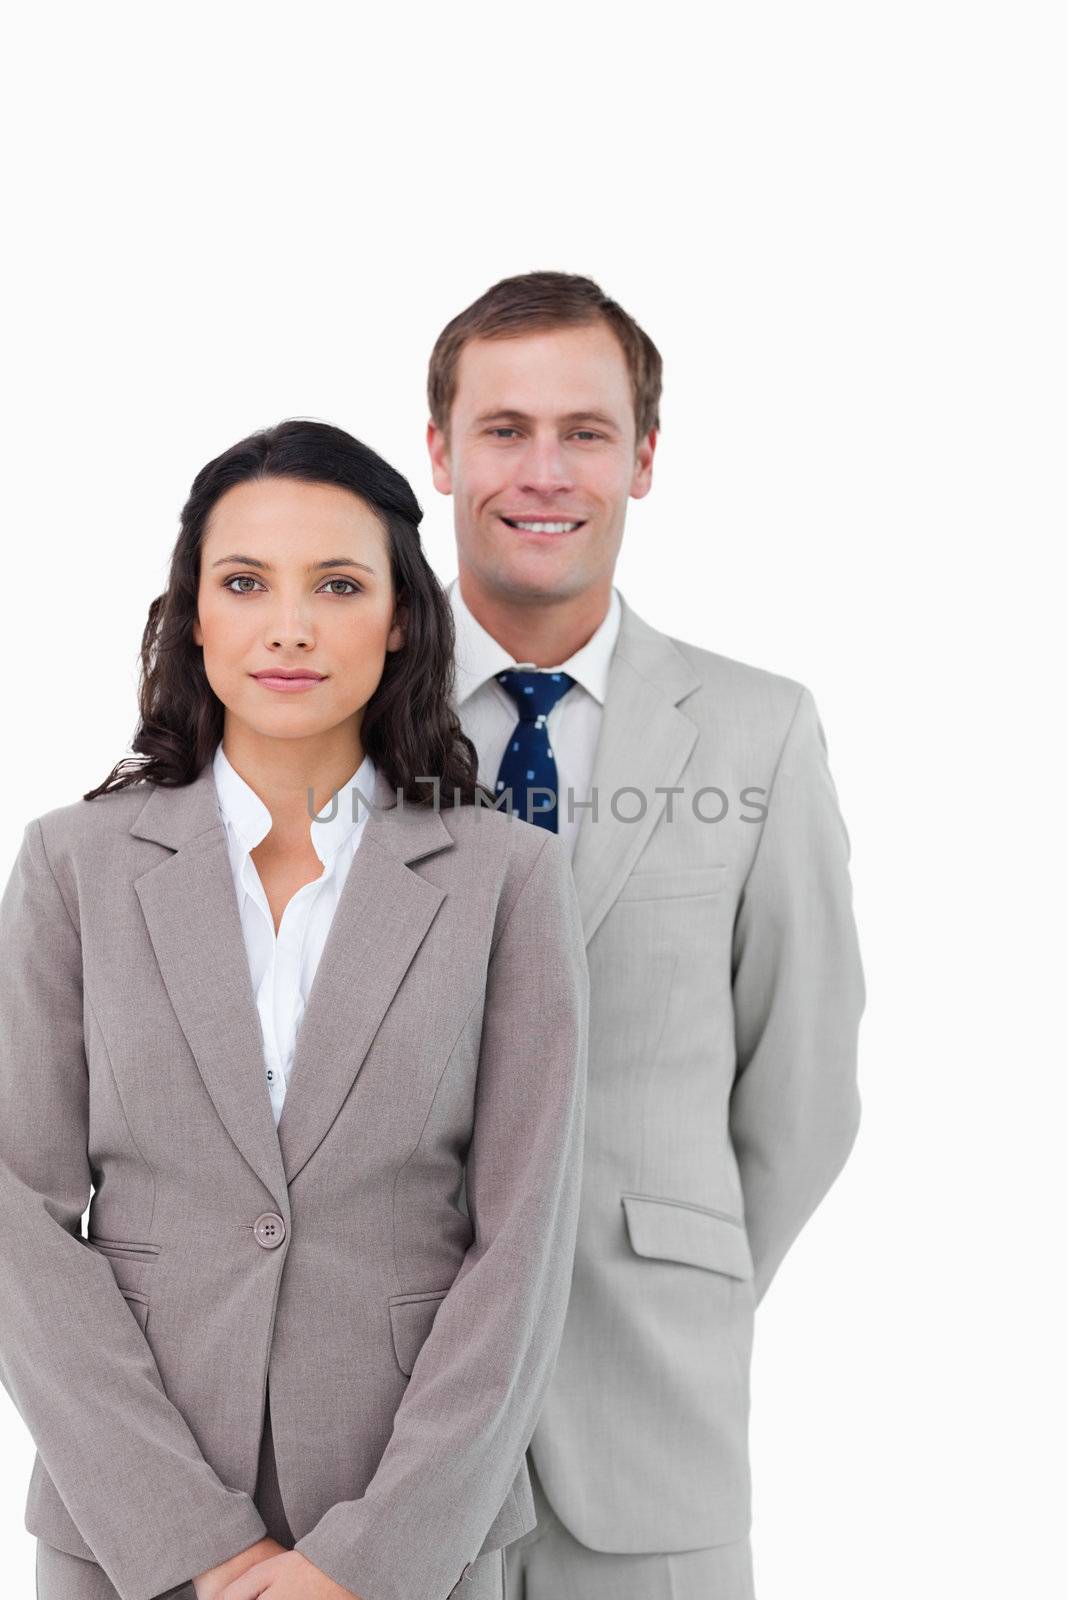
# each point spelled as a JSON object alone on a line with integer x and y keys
{"x": 397, "y": 632}
{"x": 198, "y": 633}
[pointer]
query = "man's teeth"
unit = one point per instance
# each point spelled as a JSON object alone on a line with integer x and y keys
{"x": 546, "y": 527}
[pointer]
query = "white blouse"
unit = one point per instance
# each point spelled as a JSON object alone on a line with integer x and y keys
{"x": 283, "y": 965}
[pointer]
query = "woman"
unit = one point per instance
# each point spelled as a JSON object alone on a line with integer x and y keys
{"x": 361, "y": 1191}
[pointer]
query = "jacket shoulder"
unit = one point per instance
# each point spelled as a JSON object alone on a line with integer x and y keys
{"x": 482, "y": 831}
{"x": 738, "y": 706}
{"x": 748, "y": 708}
{"x": 505, "y": 849}
{"x": 740, "y": 682}
{"x": 66, "y": 829}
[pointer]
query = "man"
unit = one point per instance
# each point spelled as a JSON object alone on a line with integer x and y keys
{"x": 711, "y": 864}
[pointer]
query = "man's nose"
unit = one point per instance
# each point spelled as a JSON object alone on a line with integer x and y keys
{"x": 544, "y": 467}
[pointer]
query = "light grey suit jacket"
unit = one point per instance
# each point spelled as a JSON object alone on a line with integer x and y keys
{"x": 395, "y": 1257}
{"x": 726, "y": 991}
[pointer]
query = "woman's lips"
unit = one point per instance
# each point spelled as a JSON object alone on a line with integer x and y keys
{"x": 286, "y": 685}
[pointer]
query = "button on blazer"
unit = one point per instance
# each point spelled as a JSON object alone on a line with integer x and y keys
{"x": 394, "y": 1258}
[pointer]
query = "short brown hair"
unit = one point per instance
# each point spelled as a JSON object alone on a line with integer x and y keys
{"x": 544, "y": 300}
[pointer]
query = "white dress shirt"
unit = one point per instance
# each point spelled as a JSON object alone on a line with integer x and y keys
{"x": 283, "y": 965}
{"x": 488, "y": 713}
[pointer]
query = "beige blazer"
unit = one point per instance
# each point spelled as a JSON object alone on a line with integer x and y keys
{"x": 726, "y": 992}
{"x": 394, "y": 1259}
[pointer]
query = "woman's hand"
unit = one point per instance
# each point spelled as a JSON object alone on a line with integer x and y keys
{"x": 210, "y": 1585}
{"x": 289, "y": 1576}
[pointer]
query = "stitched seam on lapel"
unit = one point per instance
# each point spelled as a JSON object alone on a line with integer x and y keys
{"x": 192, "y": 847}
{"x": 208, "y": 834}
{"x": 478, "y": 1000}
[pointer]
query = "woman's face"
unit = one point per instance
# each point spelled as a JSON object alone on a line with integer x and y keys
{"x": 295, "y": 577}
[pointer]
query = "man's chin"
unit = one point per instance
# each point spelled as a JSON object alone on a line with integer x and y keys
{"x": 535, "y": 579}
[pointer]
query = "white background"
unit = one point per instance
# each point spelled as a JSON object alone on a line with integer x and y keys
{"x": 843, "y": 224}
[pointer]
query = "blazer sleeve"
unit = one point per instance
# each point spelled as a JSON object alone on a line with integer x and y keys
{"x": 798, "y": 995}
{"x": 72, "y": 1356}
{"x": 480, "y": 1379}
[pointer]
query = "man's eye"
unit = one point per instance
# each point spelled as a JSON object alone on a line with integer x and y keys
{"x": 587, "y": 433}
{"x": 500, "y": 431}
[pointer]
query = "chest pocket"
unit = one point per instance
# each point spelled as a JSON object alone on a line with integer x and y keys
{"x": 674, "y": 883}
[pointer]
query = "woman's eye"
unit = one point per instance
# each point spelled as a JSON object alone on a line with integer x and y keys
{"x": 244, "y": 577}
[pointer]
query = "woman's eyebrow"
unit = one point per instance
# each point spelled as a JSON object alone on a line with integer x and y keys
{"x": 314, "y": 566}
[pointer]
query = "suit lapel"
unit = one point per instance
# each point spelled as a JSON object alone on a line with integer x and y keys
{"x": 191, "y": 911}
{"x": 644, "y": 744}
{"x": 382, "y": 917}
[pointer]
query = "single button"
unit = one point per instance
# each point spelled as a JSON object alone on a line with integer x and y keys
{"x": 269, "y": 1230}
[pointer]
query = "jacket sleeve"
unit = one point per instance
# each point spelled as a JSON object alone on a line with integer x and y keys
{"x": 480, "y": 1379}
{"x": 798, "y": 995}
{"x": 72, "y": 1356}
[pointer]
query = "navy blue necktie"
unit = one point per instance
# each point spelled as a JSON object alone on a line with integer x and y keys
{"x": 528, "y": 761}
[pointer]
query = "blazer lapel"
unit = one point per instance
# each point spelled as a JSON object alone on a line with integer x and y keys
{"x": 191, "y": 911}
{"x": 382, "y": 917}
{"x": 644, "y": 744}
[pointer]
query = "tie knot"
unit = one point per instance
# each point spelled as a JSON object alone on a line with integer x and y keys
{"x": 534, "y": 693}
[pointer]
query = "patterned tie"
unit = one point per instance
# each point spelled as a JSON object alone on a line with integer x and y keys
{"x": 528, "y": 760}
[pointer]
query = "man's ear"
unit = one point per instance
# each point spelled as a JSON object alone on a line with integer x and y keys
{"x": 642, "y": 478}
{"x": 437, "y": 444}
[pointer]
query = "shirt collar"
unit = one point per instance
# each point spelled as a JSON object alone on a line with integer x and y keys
{"x": 242, "y": 808}
{"x": 479, "y": 657}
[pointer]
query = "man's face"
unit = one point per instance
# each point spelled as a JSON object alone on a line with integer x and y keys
{"x": 541, "y": 459}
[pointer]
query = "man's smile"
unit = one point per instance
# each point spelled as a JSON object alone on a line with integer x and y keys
{"x": 550, "y": 525}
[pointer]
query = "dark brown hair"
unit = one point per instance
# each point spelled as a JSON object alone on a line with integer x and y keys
{"x": 409, "y": 728}
{"x": 544, "y": 300}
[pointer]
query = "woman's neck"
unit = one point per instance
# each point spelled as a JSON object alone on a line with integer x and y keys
{"x": 282, "y": 771}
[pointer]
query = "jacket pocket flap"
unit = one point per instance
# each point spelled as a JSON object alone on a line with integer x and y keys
{"x": 412, "y": 1318}
{"x": 123, "y": 1247}
{"x": 677, "y": 1230}
{"x": 682, "y": 883}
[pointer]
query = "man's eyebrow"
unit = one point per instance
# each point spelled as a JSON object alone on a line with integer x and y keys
{"x": 505, "y": 413}
{"x": 314, "y": 566}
